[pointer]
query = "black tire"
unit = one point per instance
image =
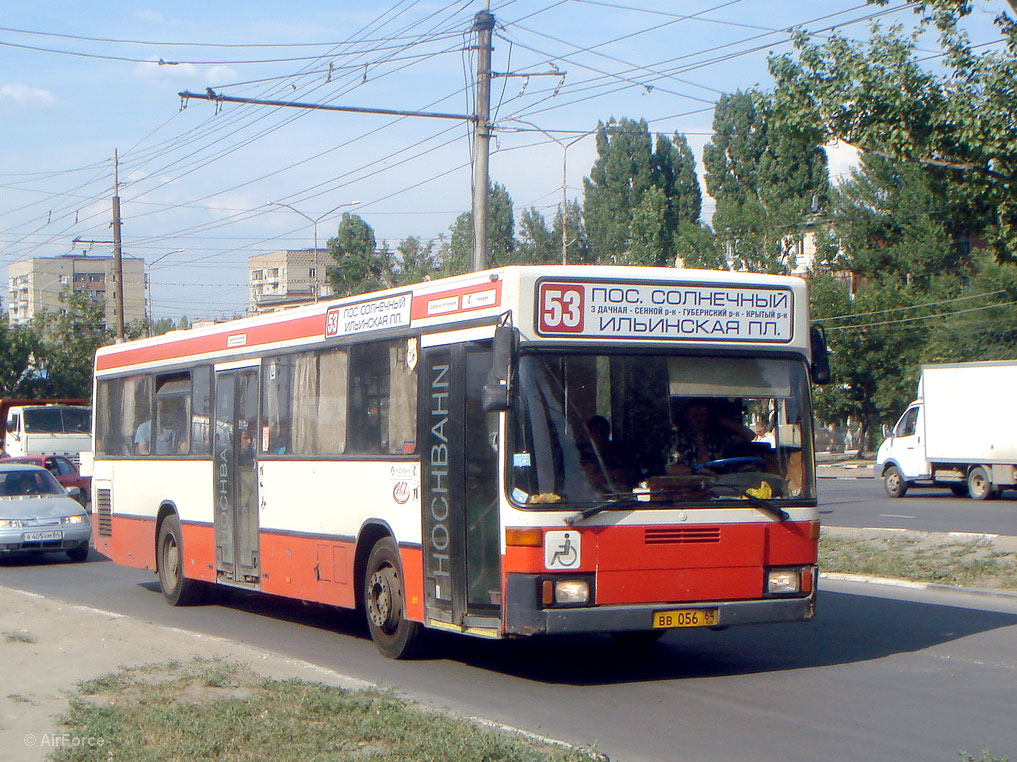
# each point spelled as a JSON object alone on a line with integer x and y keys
{"x": 960, "y": 489}
{"x": 384, "y": 606}
{"x": 78, "y": 553}
{"x": 893, "y": 482}
{"x": 178, "y": 589}
{"x": 980, "y": 485}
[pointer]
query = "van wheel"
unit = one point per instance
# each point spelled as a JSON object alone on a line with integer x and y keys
{"x": 893, "y": 482}
{"x": 960, "y": 490}
{"x": 980, "y": 485}
{"x": 394, "y": 635}
{"x": 178, "y": 589}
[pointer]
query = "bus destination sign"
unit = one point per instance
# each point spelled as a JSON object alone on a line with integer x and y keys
{"x": 391, "y": 311}
{"x": 679, "y": 311}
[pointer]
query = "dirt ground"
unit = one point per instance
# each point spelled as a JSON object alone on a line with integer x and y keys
{"x": 46, "y": 646}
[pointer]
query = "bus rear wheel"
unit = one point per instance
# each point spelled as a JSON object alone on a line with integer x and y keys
{"x": 394, "y": 635}
{"x": 176, "y": 588}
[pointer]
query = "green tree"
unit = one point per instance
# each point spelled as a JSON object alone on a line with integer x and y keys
{"x": 697, "y": 246}
{"x": 874, "y": 360}
{"x": 537, "y": 244}
{"x": 359, "y": 267}
{"x": 18, "y": 345}
{"x": 67, "y": 340}
{"x": 417, "y": 261}
{"x": 638, "y": 193}
{"x": 457, "y": 252}
{"x": 570, "y": 224}
{"x": 766, "y": 181}
{"x": 954, "y": 115}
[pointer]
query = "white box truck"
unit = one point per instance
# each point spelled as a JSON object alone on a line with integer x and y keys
{"x": 960, "y": 433}
{"x": 46, "y": 427}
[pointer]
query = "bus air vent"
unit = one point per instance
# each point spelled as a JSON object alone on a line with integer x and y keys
{"x": 681, "y": 535}
{"x": 102, "y": 508}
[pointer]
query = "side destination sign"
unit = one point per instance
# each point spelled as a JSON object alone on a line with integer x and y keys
{"x": 680, "y": 311}
{"x": 373, "y": 315}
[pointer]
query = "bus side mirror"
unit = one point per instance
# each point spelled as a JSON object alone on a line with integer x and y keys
{"x": 820, "y": 356}
{"x": 498, "y": 393}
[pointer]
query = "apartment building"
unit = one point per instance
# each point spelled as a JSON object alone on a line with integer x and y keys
{"x": 37, "y": 284}
{"x": 286, "y": 278}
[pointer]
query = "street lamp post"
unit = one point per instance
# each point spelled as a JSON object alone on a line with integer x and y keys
{"x": 148, "y": 283}
{"x": 314, "y": 224}
{"x": 564, "y": 181}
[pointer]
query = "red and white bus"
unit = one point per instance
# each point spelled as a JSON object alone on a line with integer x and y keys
{"x": 518, "y": 451}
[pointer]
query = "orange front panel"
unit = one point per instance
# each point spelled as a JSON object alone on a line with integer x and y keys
{"x": 679, "y": 585}
{"x": 300, "y": 567}
{"x": 131, "y": 542}
{"x": 649, "y": 548}
{"x": 790, "y": 544}
{"x": 199, "y": 551}
{"x": 413, "y": 582}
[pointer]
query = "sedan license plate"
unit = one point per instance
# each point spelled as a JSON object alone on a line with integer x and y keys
{"x": 40, "y": 536}
{"x": 685, "y": 618}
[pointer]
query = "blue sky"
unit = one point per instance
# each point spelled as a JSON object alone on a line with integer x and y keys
{"x": 80, "y": 80}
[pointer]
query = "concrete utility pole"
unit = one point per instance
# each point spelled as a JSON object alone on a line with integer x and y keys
{"x": 118, "y": 262}
{"x": 483, "y": 25}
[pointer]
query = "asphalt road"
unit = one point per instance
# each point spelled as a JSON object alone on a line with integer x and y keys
{"x": 864, "y": 503}
{"x": 881, "y": 673}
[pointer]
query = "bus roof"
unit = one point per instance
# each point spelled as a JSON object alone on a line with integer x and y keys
{"x": 610, "y": 303}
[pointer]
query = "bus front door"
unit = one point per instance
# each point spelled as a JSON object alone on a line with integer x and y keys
{"x": 236, "y": 476}
{"x": 462, "y": 552}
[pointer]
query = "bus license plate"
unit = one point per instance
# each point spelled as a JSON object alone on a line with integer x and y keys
{"x": 40, "y": 536}
{"x": 685, "y": 618}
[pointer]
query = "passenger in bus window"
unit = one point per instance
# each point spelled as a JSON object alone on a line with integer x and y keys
{"x": 702, "y": 433}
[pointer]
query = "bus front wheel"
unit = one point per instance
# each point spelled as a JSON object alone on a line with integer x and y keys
{"x": 394, "y": 635}
{"x": 178, "y": 589}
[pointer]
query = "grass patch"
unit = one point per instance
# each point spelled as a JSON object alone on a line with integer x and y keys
{"x": 218, "y": 710}
{"x": 22, "y": 636}
{"x": 969, "y": 564}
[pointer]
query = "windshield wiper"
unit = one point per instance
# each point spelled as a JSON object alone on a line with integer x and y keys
{"x": 766, "y": 506}
{"x": 614, "y": 502}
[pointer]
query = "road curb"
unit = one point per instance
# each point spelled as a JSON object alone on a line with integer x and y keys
{"x": 909, "y": 584}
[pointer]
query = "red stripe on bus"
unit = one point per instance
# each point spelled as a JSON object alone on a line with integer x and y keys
{"x": 307, "y": 327}
{"x": 309, "y": 568}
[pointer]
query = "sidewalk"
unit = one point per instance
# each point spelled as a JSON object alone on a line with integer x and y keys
{"x": 839, "y": 466}
{"x": 46, "y": 646}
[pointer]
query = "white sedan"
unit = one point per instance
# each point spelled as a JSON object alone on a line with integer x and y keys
{"x": 37, "y": 515}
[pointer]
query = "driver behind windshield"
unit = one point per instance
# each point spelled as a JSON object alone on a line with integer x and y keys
{"x": 703, "y": 433}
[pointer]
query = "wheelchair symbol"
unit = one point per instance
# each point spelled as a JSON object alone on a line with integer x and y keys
{"x": 561, "y": 550}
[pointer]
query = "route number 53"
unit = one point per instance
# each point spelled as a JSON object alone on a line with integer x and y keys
{"x": 561, "y": 308}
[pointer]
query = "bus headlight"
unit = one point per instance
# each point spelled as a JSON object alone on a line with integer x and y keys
{"x": 783, "y": 581}
{"x": 571, "y": 591}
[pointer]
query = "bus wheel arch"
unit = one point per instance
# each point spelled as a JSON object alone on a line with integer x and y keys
{"x": 382, "y": 594}
{"x": 176, "y": 587}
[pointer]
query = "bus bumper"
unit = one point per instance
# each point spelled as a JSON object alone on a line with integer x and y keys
{"x": 525, "y": 616}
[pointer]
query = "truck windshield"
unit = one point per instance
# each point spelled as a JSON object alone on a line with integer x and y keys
{"x": 585, "y": 428}
{"x": 55, "y": 419}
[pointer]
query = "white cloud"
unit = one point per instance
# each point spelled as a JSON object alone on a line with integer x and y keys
{"x": 25, "y": 97}
{"x": 151, "y": 16}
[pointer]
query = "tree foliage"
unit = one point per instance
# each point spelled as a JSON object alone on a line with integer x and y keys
{"x": 359, "y": 266}
{"x": 766, "y": 181}
{"x": 457, "y": 253}
{"x": 637, "y": 194}
{"x": 881, "y": 98}
{"x": 65, "y": 349}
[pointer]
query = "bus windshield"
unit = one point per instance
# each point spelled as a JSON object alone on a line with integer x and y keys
{"x": 57, "y": 419}
{"x": 589, "y": 427}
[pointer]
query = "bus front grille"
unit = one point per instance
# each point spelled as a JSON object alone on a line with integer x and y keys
{"x": 681, "y": 535}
